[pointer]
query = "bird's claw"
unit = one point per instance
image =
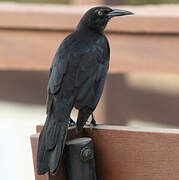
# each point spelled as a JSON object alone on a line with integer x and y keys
{"x": 92, "y": 126}
{"x": 92, "y": 123}
{"x": 72, "y": 123}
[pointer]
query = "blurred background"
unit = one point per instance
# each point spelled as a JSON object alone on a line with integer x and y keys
{"x": 142, "y": 87}
{"x": 110, "y": 2}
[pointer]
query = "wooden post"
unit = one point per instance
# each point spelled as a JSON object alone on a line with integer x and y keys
{"x": 125, "y": 153}
{"x": 79, "y": 159}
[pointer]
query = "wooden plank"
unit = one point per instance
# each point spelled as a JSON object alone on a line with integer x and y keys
{"x": 28, "y": 50}
{"x": 143, "y": 53}
{"x": 34, "y": 50}
{"x": 34, "y": 145}
{"x": 148, "y": 43}
{"x": 87, "y": 2}
{"x": 125, "y": 153}
{"x": 148, "y": 19}
{"x": 39, "y": 128}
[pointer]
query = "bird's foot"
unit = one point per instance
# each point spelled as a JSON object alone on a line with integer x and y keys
{"x": 92, "y": 123}
{"x": 72, "y": 123}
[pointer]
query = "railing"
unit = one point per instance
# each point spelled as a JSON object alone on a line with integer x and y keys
{"x": 124, "y": 153}
{"x": 148, "y": 41}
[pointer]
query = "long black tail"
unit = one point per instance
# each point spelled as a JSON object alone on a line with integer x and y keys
{"x": 52, "y": 140}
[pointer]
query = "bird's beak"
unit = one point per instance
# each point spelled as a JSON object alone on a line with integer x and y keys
{"x": 118, "y": 12}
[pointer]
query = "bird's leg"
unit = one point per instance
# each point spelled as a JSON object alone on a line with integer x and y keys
{"x": 71, "y": 123}
{"x": 93, "y": 122}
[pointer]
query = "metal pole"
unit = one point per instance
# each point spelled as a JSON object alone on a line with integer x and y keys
{"x": 79, "y": 159}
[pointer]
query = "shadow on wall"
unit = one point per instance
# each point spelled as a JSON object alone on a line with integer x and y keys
{"x": 126, "y": 103}
{"x": 27, "y": 87}
{"x": 123, "y": 102}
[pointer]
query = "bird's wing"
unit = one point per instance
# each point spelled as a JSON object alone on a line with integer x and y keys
{"x": 57, "y": 71}
{"x": 53, "y": 136}
{"x": 91, "y": 75}
{"x": 92, "y": 97}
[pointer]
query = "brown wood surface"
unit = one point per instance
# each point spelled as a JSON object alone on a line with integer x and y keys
{"x": 34, "y": 145}
{"x": 125, "y": 153}
{"x": 59, "y": 176}
{"x": 87, "y": 2}
{"x": 151, "y": 19}
{"x": 31, "y": 50}
{"x": 146, "y": 42}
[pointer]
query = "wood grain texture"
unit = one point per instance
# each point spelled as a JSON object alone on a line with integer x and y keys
{"x": 34, "y": 145}
{"x": 146, "y": 42}
{"x": 160, "y": 19}
{"x": 125, "y": 153}
{"x": 34, "y": 50}
{"x": 132, "y": 154}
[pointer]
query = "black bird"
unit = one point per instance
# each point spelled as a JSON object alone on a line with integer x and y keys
{"x": 76, "y": 79}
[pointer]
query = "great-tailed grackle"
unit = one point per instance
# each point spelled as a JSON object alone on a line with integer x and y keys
{"x": 76, "y": 79}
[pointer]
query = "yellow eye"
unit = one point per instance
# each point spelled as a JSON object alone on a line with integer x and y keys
{"x": 100, "y": 13}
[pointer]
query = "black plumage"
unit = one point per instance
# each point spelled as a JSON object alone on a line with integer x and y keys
{"x": 76, "y": 79}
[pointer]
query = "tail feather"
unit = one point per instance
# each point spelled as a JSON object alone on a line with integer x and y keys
{"x": 42, "y": 154}
{"x": 51, "y": 144}
{"x": 56, "y": 155}
{"x": 52, "y": 135}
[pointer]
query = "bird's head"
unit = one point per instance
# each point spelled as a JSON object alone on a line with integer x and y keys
{"x": 97, "y": 18}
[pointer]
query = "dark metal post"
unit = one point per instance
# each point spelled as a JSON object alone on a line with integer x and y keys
{"x": 79, "y": 159}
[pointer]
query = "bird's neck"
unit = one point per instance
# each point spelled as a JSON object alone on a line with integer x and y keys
{"x": 85, "y": 28}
